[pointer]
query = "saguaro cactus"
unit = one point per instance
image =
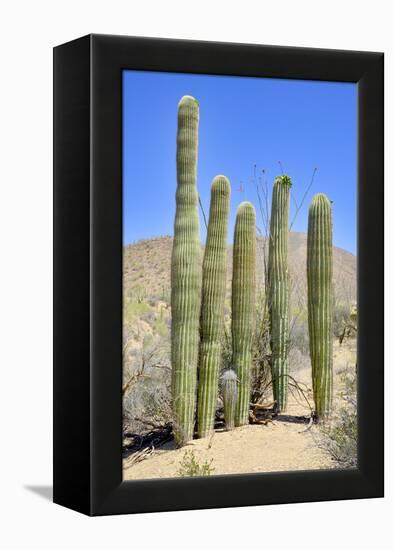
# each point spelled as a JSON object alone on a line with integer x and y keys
{"x": 243, "y": 305}
{"x": 229, "y": 395}
{"x": 186, "y": 274}
{"x": 213, "y": 298}
{"x": 278, "y": 289}
{"x": 319, "y": 280}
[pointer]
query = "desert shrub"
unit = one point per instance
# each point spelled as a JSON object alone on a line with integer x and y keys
{"x": 298, "y": 347}
{"x": 297, "y": 359}
{"x": 298, "y": 336}
{"x": 137, "y": 293}
{"x": 190, "y": 467}
{"x": 226, "y": 347}
{"x": 260, "y": 351}
{"x": 132, "y": 310}
{"x": 148, "y": 316}
{"x": 153, "y": 300}
{"x": 146, "y": 384}
{"x": 161, "y": 326}
{"x": 261, "y": 376}
{"x": 165, "y": 294}
{"x": 339, "y": 436}
{"x": 341, "y": 316}
{"x": 157, "y": 409}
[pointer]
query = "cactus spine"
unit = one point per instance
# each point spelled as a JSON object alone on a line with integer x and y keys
{"x": 243, "y": 305}
{"x": 278, "y": 289}
{"x": 319, "y": 281}
{"x": 213, "y": 298}
{"x": 229, "y": 395}
{"x": 186, "y": 275}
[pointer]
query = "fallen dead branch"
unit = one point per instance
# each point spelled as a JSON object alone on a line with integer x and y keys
{"x": 139, "y": 456}
{"x": 150, "y": 440}
{"x": 309, "y": 425}
{"x": 254, "y": 420}
{"x": 263, "y": 406}
{"x": 262, "y": 413}
{"x": 292, "y": 419}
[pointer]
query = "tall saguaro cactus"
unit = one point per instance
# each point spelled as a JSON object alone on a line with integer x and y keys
{"x": 213, "y": 298}
{"x": 243, "y": 305}
{"x": 278, "y": 289}
{"x": 186, "y": 275}
{"x": 320, "y": 299}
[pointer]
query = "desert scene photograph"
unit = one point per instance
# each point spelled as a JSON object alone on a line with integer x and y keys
{"x": 239, "y": 275}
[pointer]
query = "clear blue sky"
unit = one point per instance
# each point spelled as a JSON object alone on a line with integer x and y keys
{"x": 243, "y": 121}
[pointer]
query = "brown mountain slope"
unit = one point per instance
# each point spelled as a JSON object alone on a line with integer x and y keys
{"x": 147, "y": 264}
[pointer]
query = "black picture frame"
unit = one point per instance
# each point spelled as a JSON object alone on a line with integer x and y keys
{"x": 88, "y": 274}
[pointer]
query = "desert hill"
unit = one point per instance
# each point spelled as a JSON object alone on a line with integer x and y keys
{"x": 147, "y": 268}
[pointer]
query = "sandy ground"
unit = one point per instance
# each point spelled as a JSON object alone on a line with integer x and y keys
{"x": 281, "y": 445}
{"x": 276, "y": 447}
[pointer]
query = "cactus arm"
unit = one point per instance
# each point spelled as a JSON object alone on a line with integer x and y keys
{"x": 213, "y": 299}
{"x": 186, "y": 276}
{"x": 243, "y": 305}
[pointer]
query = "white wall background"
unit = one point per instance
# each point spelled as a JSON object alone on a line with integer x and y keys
{"x": 28, "y": 31}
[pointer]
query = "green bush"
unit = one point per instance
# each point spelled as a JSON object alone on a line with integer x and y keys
{"x": 189, "y": 466}
{"x": 161, "y": 327}
{"x": 133, "y": 310}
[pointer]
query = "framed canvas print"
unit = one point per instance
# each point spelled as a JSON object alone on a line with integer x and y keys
{"x": 218, "y": 275}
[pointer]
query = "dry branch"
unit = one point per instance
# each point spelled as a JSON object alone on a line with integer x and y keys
{"x": 149, "y": 440}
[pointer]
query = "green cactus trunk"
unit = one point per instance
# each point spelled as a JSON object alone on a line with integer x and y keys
{"x": 320, "y": 299}
{"x": 229, "y": 396}
{"x": 243, "y": 306}
{"x": 213, "y": 298}
{"x": 278, "y": 289}
{"x": 186, "y": 275}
